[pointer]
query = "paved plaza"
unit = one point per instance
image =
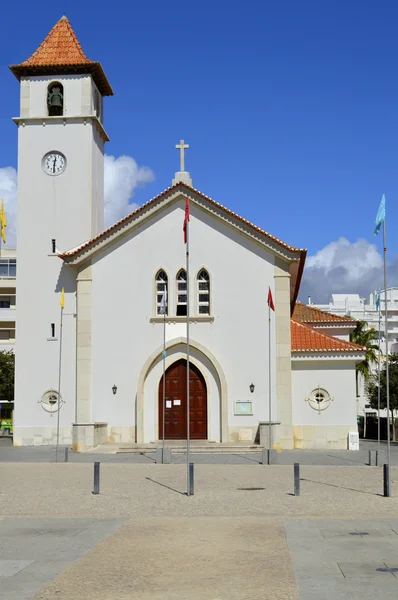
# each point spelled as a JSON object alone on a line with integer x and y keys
{"x": 242, "y": 536}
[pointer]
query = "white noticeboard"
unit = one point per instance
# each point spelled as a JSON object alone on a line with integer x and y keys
{"x": 353, "y": 440}
{"x": 168, "y": 404}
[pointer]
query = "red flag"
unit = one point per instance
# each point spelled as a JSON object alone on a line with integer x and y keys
{"x": 270, "y": 300}
{"x": 186, "y": 219}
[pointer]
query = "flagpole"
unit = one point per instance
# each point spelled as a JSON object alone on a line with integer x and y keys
{"x": 378, "y": 388}
{"x": 386, "y": 334}
{"x": 188, "y": 397}
{"x": 59, "y": 383}
{"x": 270, "y": 387}
{"x": 164, "y": 374}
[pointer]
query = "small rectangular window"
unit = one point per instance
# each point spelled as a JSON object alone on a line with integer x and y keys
{"x": 53, "y": 246}
{"x": 53, "y": 330}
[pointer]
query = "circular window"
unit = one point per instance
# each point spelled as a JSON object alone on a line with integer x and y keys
{"x": 319, "y": 399}
{"x": 51, "y": 401}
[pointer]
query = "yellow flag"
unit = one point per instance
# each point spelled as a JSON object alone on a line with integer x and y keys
{"x": 62, "y": 301}
{"x": 3, "y": 222}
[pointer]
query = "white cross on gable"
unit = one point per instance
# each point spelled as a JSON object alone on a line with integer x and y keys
{"x": 181, "y": 147}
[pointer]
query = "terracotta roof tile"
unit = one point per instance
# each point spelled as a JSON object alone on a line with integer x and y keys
{"x": 310, "y": 314}
{"x": 295, "y": 276}
{"x": 61, "y": 51}
{"x": 306, "y": 339}
{"x": 143, "y": 207}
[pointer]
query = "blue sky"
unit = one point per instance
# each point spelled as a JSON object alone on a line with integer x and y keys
{"x": 290, "y": 109}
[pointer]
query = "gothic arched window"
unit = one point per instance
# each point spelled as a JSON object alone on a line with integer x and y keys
{"x": 162, "y": 303}
{"x": 55, "y": 99}
{"x": 203, "y": 292}
{"x": 181, "y": 283}
{"x": 98, "y": 104}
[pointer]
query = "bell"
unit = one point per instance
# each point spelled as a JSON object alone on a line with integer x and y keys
{"x": 56, "y": 101}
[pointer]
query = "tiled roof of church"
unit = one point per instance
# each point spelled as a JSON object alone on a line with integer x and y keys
{"x": 295, "y": 275}
{"x": 143, "y": 207}
{"x": 61, "y": 52}
{"x": 310, "y": 314}
{"x": 306, "y": 339}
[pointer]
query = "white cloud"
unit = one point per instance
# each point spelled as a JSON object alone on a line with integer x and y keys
{"x": 345, "y": 267}
{"x": 8, "y": 191}
{"x": 122, "y": 177}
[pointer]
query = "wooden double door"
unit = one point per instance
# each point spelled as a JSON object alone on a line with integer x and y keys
{"x": 175, "y": 422}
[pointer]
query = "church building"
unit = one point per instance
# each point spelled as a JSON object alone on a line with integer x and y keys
{"x": 100, "y": 377}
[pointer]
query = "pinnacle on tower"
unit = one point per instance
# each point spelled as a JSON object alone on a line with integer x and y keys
{"x": 61, "y": 52}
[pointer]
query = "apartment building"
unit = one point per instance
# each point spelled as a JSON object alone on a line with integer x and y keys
{"x": 8, "y": 282}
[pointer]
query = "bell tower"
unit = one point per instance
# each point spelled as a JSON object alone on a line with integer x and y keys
{"x": 61, "y": 139}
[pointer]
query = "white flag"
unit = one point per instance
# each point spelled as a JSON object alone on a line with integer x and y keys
{"x": 163, "y": 303}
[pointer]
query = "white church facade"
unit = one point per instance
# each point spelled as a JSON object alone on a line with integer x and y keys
{"x": 107, "y": 384}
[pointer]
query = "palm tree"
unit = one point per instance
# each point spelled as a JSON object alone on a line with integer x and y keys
{"x": 365, "y": 337}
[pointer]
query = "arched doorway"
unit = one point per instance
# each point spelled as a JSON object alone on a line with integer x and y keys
{"x": 175, "y": 422}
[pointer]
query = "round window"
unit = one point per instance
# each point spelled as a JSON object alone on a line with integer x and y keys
{"x": 319, "y": 399}
{"x": 51, "y": 401}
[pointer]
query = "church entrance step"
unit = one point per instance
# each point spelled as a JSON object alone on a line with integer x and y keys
{"x": 195, "y": 448}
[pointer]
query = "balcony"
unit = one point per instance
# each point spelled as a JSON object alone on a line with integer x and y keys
{"x": 8, "y": 269}
{"x": 7, "y": 307}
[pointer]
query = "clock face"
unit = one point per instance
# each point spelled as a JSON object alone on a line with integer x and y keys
{"x": 54, "y": 163}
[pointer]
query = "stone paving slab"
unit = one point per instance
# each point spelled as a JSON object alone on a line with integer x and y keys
{"x": 340, "y": 565}
{"x": 198, "y": 558}
{"x": 34, "y": 551}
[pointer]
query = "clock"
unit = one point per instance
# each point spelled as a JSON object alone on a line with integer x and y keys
{"x": 53, "y": 163}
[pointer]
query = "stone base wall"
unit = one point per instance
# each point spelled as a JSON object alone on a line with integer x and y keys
{"x": 118, "y": 435}
{"x": 42, "y": 436}
{"x": 242, "y": 433}
{"x": 321, "y": 437}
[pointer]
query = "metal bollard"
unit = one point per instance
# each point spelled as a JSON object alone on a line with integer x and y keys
{"x": 191, "y": 480}
{"x": 386, "y": 480}
{"x": 66, "y": 454}
{"x": 372, "y": 458}
{"x": 96, "y": 478}
{"x": 296, "y": 479}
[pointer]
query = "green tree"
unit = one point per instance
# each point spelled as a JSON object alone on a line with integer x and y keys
{"x": 365, "y": 337}
{"x": 7, "y": 368}
{"x": 372, "y": 388}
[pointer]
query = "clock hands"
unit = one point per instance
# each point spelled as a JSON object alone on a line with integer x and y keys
{"x": 55, "y": 160}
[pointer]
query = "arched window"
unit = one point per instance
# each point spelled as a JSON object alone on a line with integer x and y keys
{"x": 181, "y": 282}
{"x": 55, "y": 99}
{"x": 162, "y": 303}
{"x": 203, "y": 292}
{"x": 98, "y": 104}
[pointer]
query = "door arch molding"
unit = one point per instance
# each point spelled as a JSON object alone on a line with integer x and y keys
{"x": 156, "y": 356}
{"x": 175, "y": 423}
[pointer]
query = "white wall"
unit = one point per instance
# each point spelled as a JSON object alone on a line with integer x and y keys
{"x": 123, "y": 303}
{"x": 69, "y": 209}
{"x": 328, "y": 428}
{"x": 78, "y": 95}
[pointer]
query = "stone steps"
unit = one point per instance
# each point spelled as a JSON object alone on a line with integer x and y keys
{"x": 199, "y": 448}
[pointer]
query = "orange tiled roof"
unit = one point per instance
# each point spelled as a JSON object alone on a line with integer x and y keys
{"x": 130, "y": 217}
{"x": 307, "y": 339}
{"x": 310, "y": 314}
{"x": 295, "y": 276}
{"x": 61, "y": 52}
